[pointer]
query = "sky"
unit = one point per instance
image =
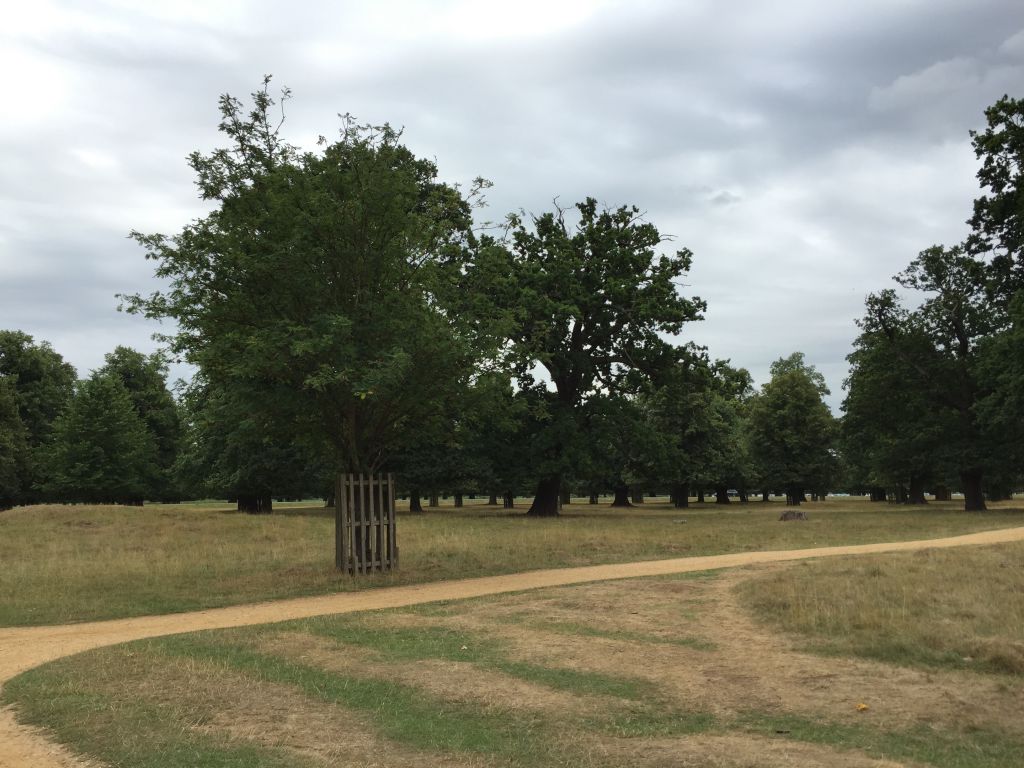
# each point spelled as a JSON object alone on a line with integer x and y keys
{"x": 804, "y": 151}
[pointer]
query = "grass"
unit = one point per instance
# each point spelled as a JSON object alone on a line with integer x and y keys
{"x": 921, "y": 744}
{"x": 481, "y": 683}
{"x": 933, "y": 608}
{"x": 75, "y": 563}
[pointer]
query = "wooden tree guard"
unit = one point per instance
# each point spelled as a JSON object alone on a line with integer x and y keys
{"x": 364, "y": 523}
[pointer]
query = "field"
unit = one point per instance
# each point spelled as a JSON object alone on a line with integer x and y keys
{"x": 74, "y": 563}
{"x": 744, "y": 667}
{"x": 912, "y": 658}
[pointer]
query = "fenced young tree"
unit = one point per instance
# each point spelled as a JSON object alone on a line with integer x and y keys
{"x": 313, "y": 279}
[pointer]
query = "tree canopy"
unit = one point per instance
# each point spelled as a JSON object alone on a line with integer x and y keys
{"x": 587, "y": 303}
{"x": 316, "y": 275}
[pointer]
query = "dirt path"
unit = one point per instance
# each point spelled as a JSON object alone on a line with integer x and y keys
{"x": 26, "y": 647}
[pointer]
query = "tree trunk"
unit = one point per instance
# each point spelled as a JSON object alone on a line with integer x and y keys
{"x": 974, "y": 498}
{"x": 681, "y": 496}
{"x": 508, "y": 500}
{"x": 700, "y": 496}
{"x": 637, "y": 497}
{"x": 565, "y": 497}
{"x": 743, "y": 496}
{"x": 766, "y": 496}
{"x": 878, "y": 494}
{"x": 255, "y": 503}
{"x": 621, "y": 496}
{"x": 593, "y": 499}
{"x": 546, "y": 500}
{"x": 432, "y": 501}
{"x": 458, "y": 499}
{"x": 415, "y": 504}
{"x": 795, "y": 496}
{"x": 915, "y": 494}
{"x": 492, "y": 500}
{"x": 942, "y": 493}
{"x": 722, "y": 495}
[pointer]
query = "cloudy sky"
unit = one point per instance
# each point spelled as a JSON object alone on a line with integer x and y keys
{"x": 804, "y": 151}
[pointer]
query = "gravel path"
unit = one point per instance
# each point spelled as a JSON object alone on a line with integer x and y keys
{"x": 22, "y": 648}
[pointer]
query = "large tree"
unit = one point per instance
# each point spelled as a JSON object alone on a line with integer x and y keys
{"x": 954, "y": 317}
{"x": 583, "y": 296}
{"x": 316, "y": 278}
{"x": 892, "y": 435}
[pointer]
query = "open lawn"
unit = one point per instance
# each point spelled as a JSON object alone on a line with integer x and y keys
{"x": 72, "y": 563}
{"x": 653, "y": 672}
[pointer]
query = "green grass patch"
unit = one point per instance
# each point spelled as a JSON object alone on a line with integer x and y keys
{"x": 657, "y": 721}
{"x": 942, "y": 749}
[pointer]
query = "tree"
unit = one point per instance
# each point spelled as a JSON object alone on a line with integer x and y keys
{"x": 998, "y": 220}
{"x": 101, "y": 450}
{"x": 13, "y": 446}
{"x": 145, "y": 379}
{"x": 954, "y": 319}
{"x": 250, "y": 455}
{"x": 697, "y": 410}
{"x": 890, "y": 430}
{"x": 315, "y": 279}
{"x": 586, "y": 303}
{"x": 43, "y": 385}
{"x": 792, "y": 428}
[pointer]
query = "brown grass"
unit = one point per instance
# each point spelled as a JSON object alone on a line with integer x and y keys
{"x": 72, "y": 563}
{"x": 746, "y": 695}
{"x": 931, "y": 608}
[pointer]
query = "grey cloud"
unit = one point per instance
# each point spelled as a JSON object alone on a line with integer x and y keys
{"x": 804, "y": 151}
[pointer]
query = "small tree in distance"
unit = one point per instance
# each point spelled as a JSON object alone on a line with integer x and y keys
{"x": 792, "y": 428}
{"x": 101, "y": 451}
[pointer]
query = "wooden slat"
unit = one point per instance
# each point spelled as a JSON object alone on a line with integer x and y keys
{"x": 338, "y": 527}
{"x": 365, "y": 537}
{"x": 379, "y": 539}
{"x": 351, "y": 524}
{"x": 362, "y": 525}
{"x": 392, "y": 543}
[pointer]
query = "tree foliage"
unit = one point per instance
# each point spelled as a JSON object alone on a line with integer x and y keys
{"x": 316, "y": 276}
{"x": 792, "y": 428}
{"x": 586, "y": 302}
{"x": 145, "y": 379}
{"x": 101, "y": 450}
{"x": 14, "y": 460}
{"x": 998, "y": 220}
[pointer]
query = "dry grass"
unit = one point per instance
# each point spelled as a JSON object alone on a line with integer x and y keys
{"x": 933, "y": 607}
{"x": 72, "y": 563}
{"x": 585, "y": 676}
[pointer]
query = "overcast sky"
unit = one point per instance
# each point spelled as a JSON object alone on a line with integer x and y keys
{"x": 804, "y": 151}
